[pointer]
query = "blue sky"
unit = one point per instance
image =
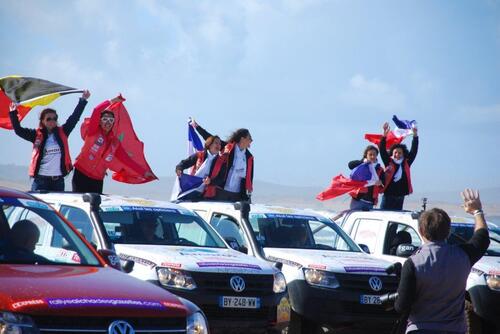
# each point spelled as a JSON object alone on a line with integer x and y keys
{"x": 308, "y": 78}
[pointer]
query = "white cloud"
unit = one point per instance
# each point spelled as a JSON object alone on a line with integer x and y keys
{"x": 372, "y": 94}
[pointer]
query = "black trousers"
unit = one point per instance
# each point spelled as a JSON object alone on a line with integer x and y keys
{"x": 83, "y": 184}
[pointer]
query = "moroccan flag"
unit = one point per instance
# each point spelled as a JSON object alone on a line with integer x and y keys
{"x": 132, "y": 166}
{"x": 28, "y": 92}
{"x": 340, "y": 186}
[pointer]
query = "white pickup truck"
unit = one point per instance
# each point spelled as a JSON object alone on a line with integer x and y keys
{"x": 175, "y": 249}
{"x": 331, "y": 282}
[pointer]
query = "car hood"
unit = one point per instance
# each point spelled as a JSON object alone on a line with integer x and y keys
{"x": 201, "y": 259}
{"x": 488, "y": 265}
{"x": 82, "y": 290}
{"x": 334, "y": 261}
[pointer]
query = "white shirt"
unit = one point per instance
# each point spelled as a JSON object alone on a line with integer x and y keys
{"x": 50, "y": 165}
{"x": 238, "y": 170}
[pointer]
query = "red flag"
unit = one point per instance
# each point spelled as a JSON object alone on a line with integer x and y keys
{"x": 340, "y": 185}
{"x": 4, "y": 111}
{"x": 129, "y": 163}
{"x": 390, "y": 140}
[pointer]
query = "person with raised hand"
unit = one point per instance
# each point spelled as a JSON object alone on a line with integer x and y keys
{"x": 397, "y": 178}
{"x": 424, "y": 292}
{"x": 50, "y": 159}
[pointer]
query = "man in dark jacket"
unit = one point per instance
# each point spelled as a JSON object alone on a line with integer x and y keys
{"x": 432, "y": 286}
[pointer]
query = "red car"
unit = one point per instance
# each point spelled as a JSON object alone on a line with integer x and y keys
{"x": 45, "y": 289}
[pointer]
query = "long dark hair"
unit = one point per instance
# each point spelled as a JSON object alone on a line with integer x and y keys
{"x": 44, "y": 113}
{"x": 236, "y": 136}
{"x": 368, "y": 149}
{"x": 402, "y": 147}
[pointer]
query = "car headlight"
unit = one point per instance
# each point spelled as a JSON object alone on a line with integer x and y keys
{"x": 175, "y": 278}
{"x": 12, "y": 323}
{"x": 493, "y": 281}
{"x": 321, "y": 278}
{"x": 279, "y": 284}
{"x": 197, "y": 324}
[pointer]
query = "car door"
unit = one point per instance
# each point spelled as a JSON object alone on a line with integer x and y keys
{"x": 230, "y": 229}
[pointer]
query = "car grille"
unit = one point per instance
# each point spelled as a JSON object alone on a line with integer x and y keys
{"x": 255, "y": 285}
{"x": 360, "y": 283}
{"x": 144, "y": 325}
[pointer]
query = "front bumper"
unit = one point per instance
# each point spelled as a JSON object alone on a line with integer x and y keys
{"x": 273, "y": 313}
{"x": 338, "y": 307}
{"x": 486, "y": 303}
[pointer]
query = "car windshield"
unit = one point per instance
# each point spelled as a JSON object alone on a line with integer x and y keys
{"x": 278, "y": 230}
{"x": 158, "y": 226}
{"x": 31, "y": 232}
{"x": 461, "y": 233}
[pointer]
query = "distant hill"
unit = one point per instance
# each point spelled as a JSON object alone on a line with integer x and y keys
{"x": 265, "y": 192}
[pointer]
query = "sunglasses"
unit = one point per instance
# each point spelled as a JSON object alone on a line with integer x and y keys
{"x": 48, "y": 119}
{"x": 108, "y": 119}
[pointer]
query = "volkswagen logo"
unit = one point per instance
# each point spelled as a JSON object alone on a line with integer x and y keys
{"x": 120, "y": 327}
{"x": 375, "y": 283}
{"x": 237, "y": 283}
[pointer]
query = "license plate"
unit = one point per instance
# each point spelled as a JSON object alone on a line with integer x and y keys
{"x": 239, "y": 302}
{"x": 370, "y": 299}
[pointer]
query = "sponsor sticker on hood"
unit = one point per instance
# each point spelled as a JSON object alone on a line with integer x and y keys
{"x": 228, "y": 265}
{"x": 96, "y": 302}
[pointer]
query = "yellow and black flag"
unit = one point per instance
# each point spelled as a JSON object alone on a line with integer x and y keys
{"x": 28, "y": 93}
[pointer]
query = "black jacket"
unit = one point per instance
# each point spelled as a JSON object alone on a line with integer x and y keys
{"x": 399, "y": 188}
{"x": 30, "y": 134}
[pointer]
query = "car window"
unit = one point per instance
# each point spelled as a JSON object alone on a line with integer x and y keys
{"x": 365, "y": 231}
{"x": 399, "y": 233}
{"x": 461, "y": 233}
{"x": 32, "y": 227}
{"x": 278, "y": 230}
{"x": 80, "y": 219}
{"x": 228, "y": 227}
{"x": 157, "y": 226}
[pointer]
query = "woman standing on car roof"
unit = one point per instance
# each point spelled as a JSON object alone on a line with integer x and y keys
{"x": 397, "y": 163}
{"x": 233, "y": 170}
{"x": 50, "y": 160}
{"x": 101, "y": 147}
{"x": 366, "y": 198}
{"x": 202, "y": 163}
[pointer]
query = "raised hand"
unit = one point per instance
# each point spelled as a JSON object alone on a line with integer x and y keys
{"x": 386, "y": 128}
{"x": 472, "y": 202}
{"x": 13, "y": 106}
{"x": 119, "y": 98}
{"x": 86, "y": 94}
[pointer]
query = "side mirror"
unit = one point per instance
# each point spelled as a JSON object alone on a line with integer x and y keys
{"x": 110, "y": 258}
{"x": 405, "y": 250}
{"x": 128, "y": 266}
{"x": 364, "y": 248}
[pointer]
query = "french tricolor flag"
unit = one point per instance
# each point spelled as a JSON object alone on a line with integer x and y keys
{"x": 194, "y": 141}
{"x": 403, "y": 129}
{"x": 186, "y": 183}
{"x": 362, "y": 176}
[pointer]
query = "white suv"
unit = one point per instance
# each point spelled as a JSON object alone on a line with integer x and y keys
{"x": 174, "y": 248}
{"x": 393, "y": 236}
{"x": 331, "y": 282}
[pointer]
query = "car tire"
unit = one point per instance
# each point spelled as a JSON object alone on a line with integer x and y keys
{"x": 300, "y": 325}
{"x": 472, "y": 320}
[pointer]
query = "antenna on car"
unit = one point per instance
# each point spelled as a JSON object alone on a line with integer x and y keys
{"x": 92, "y": 198}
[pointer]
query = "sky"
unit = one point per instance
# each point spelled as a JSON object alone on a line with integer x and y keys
{"x": 307, "y": 78}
